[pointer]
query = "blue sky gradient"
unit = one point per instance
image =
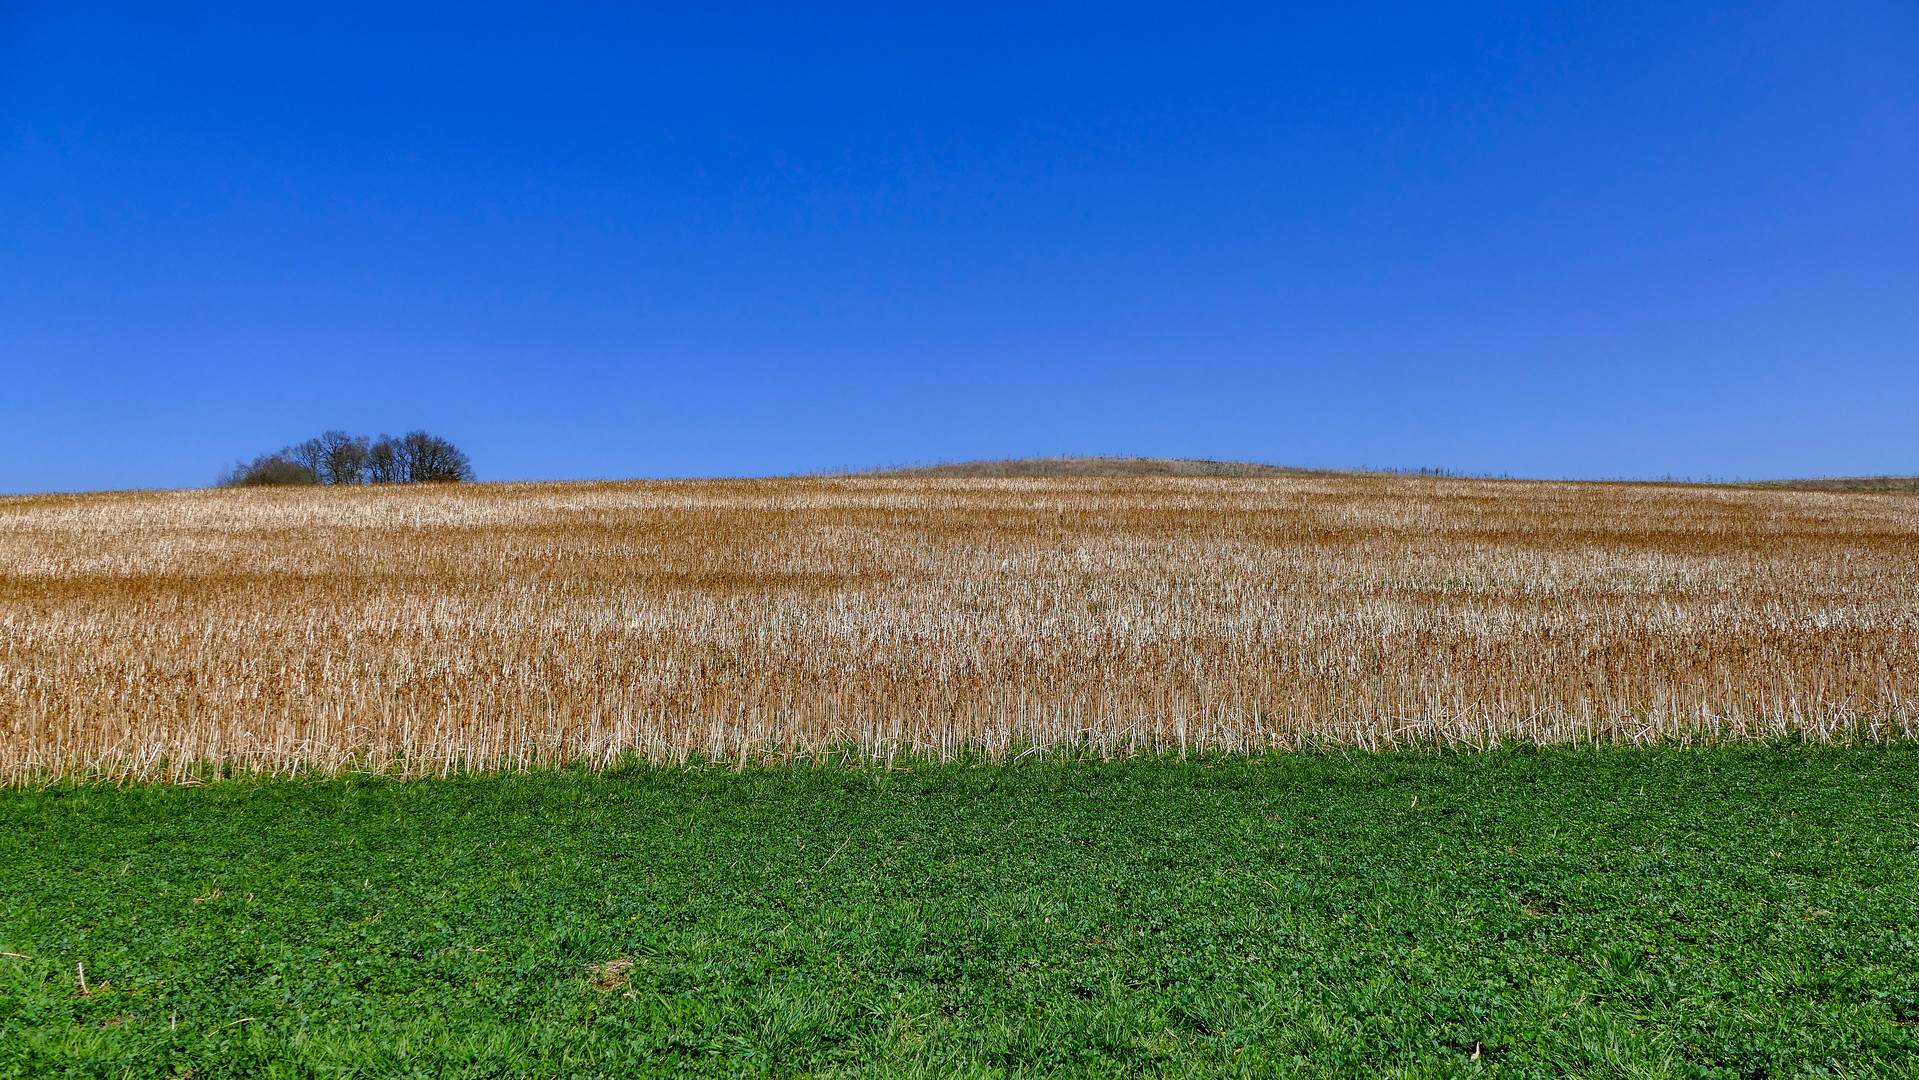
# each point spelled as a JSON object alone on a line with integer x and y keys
{"x": 1594, "y": 240}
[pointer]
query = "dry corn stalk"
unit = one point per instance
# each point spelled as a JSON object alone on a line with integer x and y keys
{"x": 430, "y": 629}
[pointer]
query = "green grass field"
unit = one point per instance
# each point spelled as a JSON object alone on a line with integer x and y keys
{"x": 1724, "y": 913}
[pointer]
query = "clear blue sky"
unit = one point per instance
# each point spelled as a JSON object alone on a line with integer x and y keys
{"x": 1594, "y": 240}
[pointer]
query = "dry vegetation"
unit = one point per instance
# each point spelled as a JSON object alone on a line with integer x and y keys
{"x": 1844, "y": 483}
{"x": 427, "y": 629}
{"x": 1101, "y": 466}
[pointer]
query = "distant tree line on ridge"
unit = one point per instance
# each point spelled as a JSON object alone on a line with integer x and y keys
{"x": 338, "y": 458}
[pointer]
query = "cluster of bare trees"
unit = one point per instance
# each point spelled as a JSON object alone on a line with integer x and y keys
{"x": 338, "y": 458}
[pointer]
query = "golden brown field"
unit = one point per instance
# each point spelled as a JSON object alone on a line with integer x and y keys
{"x": 430, "y": 628}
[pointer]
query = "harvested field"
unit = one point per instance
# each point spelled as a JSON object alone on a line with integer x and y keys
{"x": 1099, "y": 466}
{"x": 1907, "y": 484}
{"x": 426, "y": 629}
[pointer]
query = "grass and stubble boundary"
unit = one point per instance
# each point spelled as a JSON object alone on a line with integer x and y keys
{"x": 431, "y": 630}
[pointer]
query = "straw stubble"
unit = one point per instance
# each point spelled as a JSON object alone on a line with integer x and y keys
{"x": 426, "y": 629}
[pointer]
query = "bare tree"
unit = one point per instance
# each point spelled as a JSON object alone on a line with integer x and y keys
{"x": 386, "y": 461}
{"x": 432, "y": 460}
{"x": 342, "y": 457}
{"x": 309, "y": 455}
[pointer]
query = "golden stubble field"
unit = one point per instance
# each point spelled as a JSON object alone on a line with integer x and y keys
{"x": 423, "y": 629}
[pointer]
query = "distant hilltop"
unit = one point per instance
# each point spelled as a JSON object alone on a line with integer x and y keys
{"x": 1103, "y": 466}
{"x": 1842, "y": 483}
{"x": 1144, "y": 466}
